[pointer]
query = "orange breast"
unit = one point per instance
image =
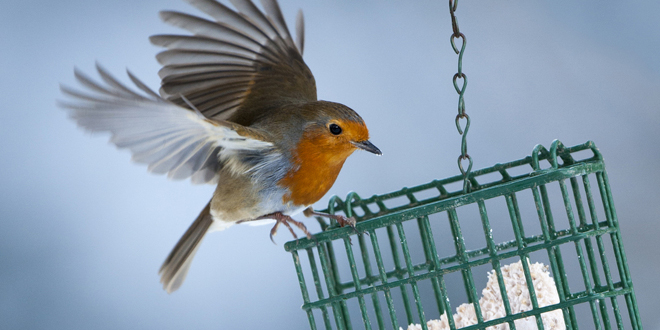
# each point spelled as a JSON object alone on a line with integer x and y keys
{"x": 317, "y": 170}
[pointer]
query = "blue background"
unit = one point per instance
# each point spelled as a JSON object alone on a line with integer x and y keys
{"x": 83, "y": 231}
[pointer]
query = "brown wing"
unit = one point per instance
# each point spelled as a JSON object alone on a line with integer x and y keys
{"x": 237, "y": 65}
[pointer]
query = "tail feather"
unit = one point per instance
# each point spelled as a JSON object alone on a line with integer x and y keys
{"x": 175, "y": 268}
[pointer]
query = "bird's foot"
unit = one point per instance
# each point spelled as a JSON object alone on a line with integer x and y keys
{"x": 286, "y": 220}
{"x": 341, "y": 220}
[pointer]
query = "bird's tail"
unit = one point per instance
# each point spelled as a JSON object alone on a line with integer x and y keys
{"x": 175, "y": 268}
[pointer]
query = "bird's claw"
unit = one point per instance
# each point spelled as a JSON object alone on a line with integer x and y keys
{"x": 286, "y": 220}
{"x": 273, "y": 232}
{"x": 343, "y": 221}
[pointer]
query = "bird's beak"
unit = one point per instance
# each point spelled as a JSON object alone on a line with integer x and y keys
{"x": 368, "y": 146}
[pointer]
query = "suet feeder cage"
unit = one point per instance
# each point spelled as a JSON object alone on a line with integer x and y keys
{"x": 411, "y": 255}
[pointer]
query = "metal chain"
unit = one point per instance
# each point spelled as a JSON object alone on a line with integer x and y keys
{"x": 461, "y": 103}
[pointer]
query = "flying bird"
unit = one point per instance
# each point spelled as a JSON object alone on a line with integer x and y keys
{"x": 237, "y": 107}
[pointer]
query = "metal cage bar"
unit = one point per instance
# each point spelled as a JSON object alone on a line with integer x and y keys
{"x": 367, "y": 270}
{"x": 540, "y": 197}
{"x": 317, "y": 285}
{"x": 514, "y": 214}
{"x": 603, "y": 256}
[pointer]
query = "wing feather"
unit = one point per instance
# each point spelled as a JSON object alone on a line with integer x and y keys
{"x": 300, "y": 31}
{"x": 206, "y": 28}
{"x": 188, "y": 57}
{"x": 243, "y": 45}
{"x": 110, "y": 80}
{"x": 200, "y": 43}
{"x": 222, "y": 13}
{"x": 250, "y": 12}
{"x": 169, "y": 138}
{"x": 276, "y": 19}
{"x": 142, "y": 86}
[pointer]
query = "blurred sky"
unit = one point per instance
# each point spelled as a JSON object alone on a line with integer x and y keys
{"x": 83, "y": 231}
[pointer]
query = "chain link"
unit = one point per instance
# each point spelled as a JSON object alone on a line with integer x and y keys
{"x": 461, "y": 103}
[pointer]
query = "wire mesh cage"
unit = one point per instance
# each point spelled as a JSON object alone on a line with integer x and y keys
{"x": 418, "y": 252}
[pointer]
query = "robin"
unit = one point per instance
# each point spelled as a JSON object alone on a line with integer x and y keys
{"x": 237, "y": 108}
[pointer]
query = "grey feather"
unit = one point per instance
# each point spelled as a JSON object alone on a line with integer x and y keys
{"x": 277, "y": 20}
{"x": 199, "y": 87}
{"x": 199, "y": 43}
{"x": 251, "y": 12}
{"x": 224, "y": 110}
{"x": 224, "y": 15}
{"x": 89, "y": 83}
{"x": 225, "y": 77}
{"x": 300, "y": 31}
{"x": 142, "y": 86}
{"x": 186, "y": 57}
{"x": 178, "y": 70}
{"x": 202, "y": 27}
{"x": 167, "y": 137}
{"x": 110, "y": 80}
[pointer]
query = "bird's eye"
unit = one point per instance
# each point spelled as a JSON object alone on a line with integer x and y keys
{"x": 335, "y": 129}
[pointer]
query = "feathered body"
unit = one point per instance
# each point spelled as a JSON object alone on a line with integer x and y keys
{"x": 296, "y": 172}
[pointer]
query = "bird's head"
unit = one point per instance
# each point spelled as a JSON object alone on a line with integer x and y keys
{"x": 336, "y": 131}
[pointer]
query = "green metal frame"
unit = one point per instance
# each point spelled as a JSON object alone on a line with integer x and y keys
{"x": 584, "y": 230}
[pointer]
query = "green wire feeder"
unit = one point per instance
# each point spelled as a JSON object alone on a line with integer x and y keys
{"x": 392, "y": 291}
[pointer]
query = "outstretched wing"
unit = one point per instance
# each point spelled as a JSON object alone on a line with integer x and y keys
{"x": 237, "y": 65}
{"x": 169, "y": 138}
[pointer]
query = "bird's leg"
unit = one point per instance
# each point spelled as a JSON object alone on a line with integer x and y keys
{"x": 286, "y": 220}
{"x": 341, "y": 220}
{"x": 288, "y": 226}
